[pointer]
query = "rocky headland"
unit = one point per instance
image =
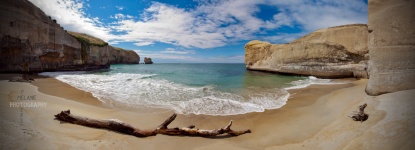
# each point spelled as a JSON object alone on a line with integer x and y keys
{"x": 382, "y": 51}
{"x": 335, "y": 52}
{"x": 30, "y": 41}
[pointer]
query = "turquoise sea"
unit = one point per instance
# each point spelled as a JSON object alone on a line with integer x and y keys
{"x": 211, "y": 89}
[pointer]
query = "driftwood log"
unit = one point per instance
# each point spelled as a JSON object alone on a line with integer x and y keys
{"x": 119, "y": 126}
{"x": 361, "y": 115}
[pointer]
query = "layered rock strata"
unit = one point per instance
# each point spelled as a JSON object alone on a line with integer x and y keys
{"x": 335, "y": 52}
{"x": 391, "y": 45}
{"x": 100, "y": 50}
{"x": 30, "y": 41}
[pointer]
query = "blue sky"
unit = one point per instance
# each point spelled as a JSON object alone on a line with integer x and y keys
{"x": 200, "y": 31}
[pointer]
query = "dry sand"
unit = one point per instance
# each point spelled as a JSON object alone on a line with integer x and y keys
{"x": 314, "y": 118}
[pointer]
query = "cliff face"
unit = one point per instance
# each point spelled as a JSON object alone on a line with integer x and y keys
{"x": 391, "y": 45}
{"x": 121, "y": 56}
{"x": 100, "y": 52}
{"x": 334, "y": 52}
{"x": 31, "y": 41}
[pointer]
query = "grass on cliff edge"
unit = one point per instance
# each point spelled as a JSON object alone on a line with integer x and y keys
{"x": 119, "y": 49}
{"x": 88, "y": 39}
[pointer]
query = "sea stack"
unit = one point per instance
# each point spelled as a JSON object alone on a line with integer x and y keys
{"x": 147, "y": 60}
{"x": 335, "y": 52}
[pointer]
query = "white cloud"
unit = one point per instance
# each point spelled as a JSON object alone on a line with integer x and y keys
{"x": 71, "y": 16}
{"x": 202, "y": 27}
{"x": 176, "y": 51}
{"x": 168, "y": 24}
{"x": 122, "y": 16}
{"x": 120, "y": 7}
{"x": 211, "y": 24}
{"x": 280, "y": 19}
{"x": 143, "y": 43}
{"x": 160, "y": 55}
{"x": 217, "y": 23}
{"x": 313, "y": 15}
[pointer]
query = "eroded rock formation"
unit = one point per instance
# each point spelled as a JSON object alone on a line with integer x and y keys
{"x": 121, "y": 56}
{"x": 391, "y": 45}
{"x": 335, "y": 52}
{"x": 30, "y": 41}
{"x": 148, "y": 60}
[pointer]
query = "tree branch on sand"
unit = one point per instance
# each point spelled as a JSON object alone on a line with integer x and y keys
{"x": 361, "y": 115}
{"x": 119, "y": 126}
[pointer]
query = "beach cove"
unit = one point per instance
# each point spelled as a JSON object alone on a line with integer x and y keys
{"x": 285, "y": 74}
{"x": 314, "y": 117}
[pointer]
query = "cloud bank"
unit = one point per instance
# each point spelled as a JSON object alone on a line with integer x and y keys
{"x": 210, "y": 24}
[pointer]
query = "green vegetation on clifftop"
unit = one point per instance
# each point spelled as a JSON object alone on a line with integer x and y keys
{"x": 82, "y": 37}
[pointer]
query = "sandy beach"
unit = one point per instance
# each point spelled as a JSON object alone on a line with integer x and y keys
{"x": 289, "y": 74}
{"x": 313, "y": 118}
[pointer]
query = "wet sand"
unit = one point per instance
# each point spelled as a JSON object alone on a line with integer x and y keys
{"x": 313, "y": 118}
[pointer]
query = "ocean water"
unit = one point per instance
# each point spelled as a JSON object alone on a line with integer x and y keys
{"x": 211, "y": 89}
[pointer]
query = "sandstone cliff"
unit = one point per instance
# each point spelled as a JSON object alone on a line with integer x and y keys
{"x": 30, "y": 41}
{"x": 392, "y": 46}
{"x": 100, "y": 51}
{"x": 122, "y": 56}
{"x": 335, "y": 52}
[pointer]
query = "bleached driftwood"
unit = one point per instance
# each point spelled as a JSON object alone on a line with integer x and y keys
{"x": 119, "y": 126}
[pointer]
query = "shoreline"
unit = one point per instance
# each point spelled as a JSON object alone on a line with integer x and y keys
{"x": 55, "y": 87}
{"x": 313, "y": 115}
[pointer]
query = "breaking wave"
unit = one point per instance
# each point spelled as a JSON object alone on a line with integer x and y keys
{"x": 131, "y": 90}
{"x": 310, "y": 81}
{"x": 143, "y": 90}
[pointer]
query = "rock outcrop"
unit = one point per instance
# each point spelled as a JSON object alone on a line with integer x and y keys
{"x": 23, "y": 78}
{"x": 391, "y": 46}
{"x": 335, "y": 52}
{"x": 100, "y": 52}
{"x": 148, "y": 60}
{"x": 122, "y": 56}
{"x": 30, "y": 41}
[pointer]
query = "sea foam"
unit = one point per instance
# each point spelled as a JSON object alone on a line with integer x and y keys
{"x": 310, "y": 81}
{"x": 143, "y": 90}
